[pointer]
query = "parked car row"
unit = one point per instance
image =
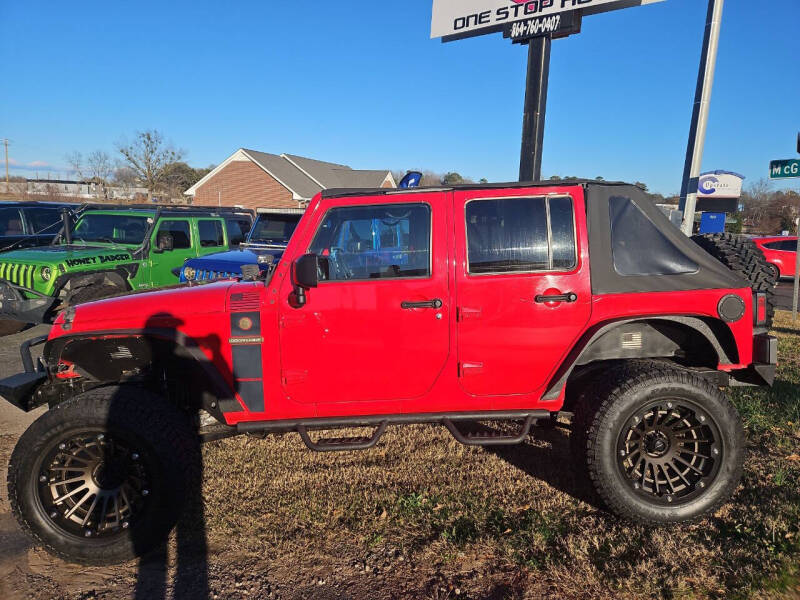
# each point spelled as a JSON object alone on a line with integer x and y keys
{"x": 106, "y": 252}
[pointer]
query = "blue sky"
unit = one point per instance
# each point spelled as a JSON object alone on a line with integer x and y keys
{"x": 361, "y": 83}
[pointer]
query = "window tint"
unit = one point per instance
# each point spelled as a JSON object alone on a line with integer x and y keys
{"x": 510, "y": 235}
{"x": 10, "y": 222}
{"x": 376, "y": 242}
{"x": 94, "y": 227}
{"x": 774, "y": 245}
{"x": 274, "y": 228}
{"x": 44, "y": 220}
{"x": 179, "y": 231}
{"x": 790, "y": 245}
{"x": 562, "y": 230}
{"x": 638, "y": 247}
{"x": 237, "y": 230}
{"x": 210, "y": 233}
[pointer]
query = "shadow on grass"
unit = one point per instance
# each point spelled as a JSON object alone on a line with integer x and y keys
{"x": 557, "y": 465}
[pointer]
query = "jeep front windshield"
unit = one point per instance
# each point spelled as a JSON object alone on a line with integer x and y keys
{"x": 114, "y": 229}
{"x": 273, "y": 229}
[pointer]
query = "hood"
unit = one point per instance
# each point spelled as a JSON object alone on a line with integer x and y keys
{"x": 232, "y": 260}
{"x": 167, "y": 308}
{"x": 51, "y": 255}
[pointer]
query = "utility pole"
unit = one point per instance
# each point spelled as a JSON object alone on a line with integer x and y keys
{"x": 530, "y": 161}
{"x": 5, "y": 143}
{"x": 702, "y": 100}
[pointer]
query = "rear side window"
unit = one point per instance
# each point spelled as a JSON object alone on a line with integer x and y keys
{"x": 44, "y": 220}
{"x": 375, "y": 242}
{"x": 638, "y": 247}
{"x": 10, "y": 222}
{"x": 210, "y": 233}
{"x": 790, "y": 245}
{"x": 237, "y": 230}
{"x": 179, "y": 230}
{"x": 774, "y": 245}
{"x": 520, "y": 235}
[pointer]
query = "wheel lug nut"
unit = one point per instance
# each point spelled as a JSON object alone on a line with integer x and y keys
{"x": 125, "y": 524}
{"x": 714, "y": 451}
{"x": 636, "y": 486}
{"x": 87, "y": 533}
{"x": 622, "y": 452}
{"x": 62, "y": 446}
{"x": 100, "y": 437}
{"x": 53, "y": 515}
{"x": 145, "y": 492}
{"x": 669, "y": 498}
{"x": 702, "y": 419}
{"x": 702, "y": 484}
{"x": 135, "y": 456}
{"x": 669, "y": 404}
{"x": 42, "y": 478}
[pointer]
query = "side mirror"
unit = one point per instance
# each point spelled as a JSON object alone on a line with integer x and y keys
{"x": 165, "y": 242}
{"x": 306, "y": 272}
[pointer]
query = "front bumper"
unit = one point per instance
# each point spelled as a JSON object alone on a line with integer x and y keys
{"x": 20, "y": 389}
{"x": 15, "y": 305}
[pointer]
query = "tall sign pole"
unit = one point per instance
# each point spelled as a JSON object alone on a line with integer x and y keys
{"x": 533, "y": 116}
{"x": 702, "y": 100}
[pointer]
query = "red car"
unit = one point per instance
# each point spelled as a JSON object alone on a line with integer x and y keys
{"x": 454, "y": 306}
{"x": 780, "y": 252}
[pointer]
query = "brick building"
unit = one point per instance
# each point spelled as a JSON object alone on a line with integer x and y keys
{"x": 256, "y": 179}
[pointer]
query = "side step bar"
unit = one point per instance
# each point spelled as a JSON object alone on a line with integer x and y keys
{"x": 380, "y": 422}
{"x": 345, "y": 443}
{"x": 490, "y": 438}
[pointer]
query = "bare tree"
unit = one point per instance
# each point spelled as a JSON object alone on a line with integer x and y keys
{"x": 75, "y": 160}
{"x": 98, "y": 166}
{"x": 147, "y": 156}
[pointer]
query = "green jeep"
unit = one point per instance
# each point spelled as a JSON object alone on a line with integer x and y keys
{"x": 111, "y": 251}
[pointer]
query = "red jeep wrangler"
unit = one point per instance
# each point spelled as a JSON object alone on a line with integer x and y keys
{"x": 450, "y": 305}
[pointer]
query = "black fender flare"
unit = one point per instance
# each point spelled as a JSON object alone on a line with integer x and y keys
{"x": 220, "y": 397}
{"x": 581, "y": 351}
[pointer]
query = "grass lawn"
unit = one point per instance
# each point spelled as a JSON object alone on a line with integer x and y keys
{"x": 442, "y": 520}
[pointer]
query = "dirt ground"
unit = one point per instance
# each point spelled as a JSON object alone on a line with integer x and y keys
{"x": 420, "y": 516}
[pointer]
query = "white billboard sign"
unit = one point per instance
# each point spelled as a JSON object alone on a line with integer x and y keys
{"x": 720, "y": 184}
{"x": 474, "y": 17}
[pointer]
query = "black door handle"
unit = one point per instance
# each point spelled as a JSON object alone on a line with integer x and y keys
{"x": 568, "y": 297}
{"x": 435, "y": 303}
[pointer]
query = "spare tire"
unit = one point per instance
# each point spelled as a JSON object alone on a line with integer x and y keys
{"x": 743, "y": 257}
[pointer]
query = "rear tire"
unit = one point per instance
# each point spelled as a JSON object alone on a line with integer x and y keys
{"x": 744, "y": 258}
{"x": 10, "y": 326}
{"x": 102, "y": 478}
{"x": 662, "y": 445}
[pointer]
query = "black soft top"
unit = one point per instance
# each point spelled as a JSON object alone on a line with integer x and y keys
{"x": 633, "y": 246}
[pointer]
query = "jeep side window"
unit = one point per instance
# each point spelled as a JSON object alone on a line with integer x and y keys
{"x": 376, "y": 242}
{"x": 237, "y": 230}
{"x": 10, "y": 222}
{"x": 179, "y": 230}
{"x": 210, "y": 233}
{"x": 44, "y": 220}
{"x": 511, "y": 235}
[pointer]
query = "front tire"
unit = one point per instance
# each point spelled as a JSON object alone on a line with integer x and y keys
{"x": 663, "y": 445}
{"x": 102, "y": 478}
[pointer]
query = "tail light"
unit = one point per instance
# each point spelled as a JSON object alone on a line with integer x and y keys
{"x": 760, "y": 312}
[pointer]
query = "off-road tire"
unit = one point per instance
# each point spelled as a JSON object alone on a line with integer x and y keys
{"x": 165, "y": 444}
{"x": 603, "y": 416}
{"x": 93, "y": 292}
{"x": 744, "y": 258}
{"x": 10, "y": 326}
